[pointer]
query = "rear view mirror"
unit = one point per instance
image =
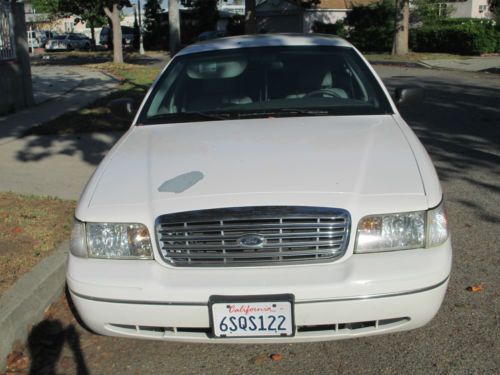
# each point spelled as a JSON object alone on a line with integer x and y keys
{"x": 406, "y": 96}
{"x": 122, "y": 108}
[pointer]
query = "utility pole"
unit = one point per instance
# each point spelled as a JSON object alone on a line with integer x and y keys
{"x": 141, "y": 41}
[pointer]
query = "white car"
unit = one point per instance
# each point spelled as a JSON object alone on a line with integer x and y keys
{"x": 267, "y": 191}
{"x": 68, "y": 42}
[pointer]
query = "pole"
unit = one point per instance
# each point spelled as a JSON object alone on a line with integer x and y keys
{"x": 141, "y": 42}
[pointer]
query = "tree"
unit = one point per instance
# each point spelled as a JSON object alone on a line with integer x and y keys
{"x": 90, "y": 11}
{"x": 174, "y": 26}
{"x": 402, "y": 21}
{"x": 152, "y": 23}
{"x": 250, "y": 19}
{"x": 494, "y": 6}
{"x": 112, "y": 9}
{"x": 51, "y": 7}
{"x": 205, "y": 11}
{"x": 429, "y": 11}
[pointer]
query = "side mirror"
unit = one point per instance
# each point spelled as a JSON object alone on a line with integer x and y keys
{"x": 406, "y": 96}
{"x": 123, "y": 108}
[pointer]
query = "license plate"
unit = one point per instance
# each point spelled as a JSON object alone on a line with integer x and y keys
{"x": 252, "y": 316}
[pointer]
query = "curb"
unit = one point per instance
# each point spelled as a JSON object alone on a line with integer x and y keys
{"x": 25, "y": 302}
{"x": 405, "y": 64}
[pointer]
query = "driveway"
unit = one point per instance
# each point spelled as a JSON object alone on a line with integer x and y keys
{"x": 459, "y": 124}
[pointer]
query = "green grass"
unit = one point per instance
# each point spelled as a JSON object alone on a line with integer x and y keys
{"x": 96, "y": 117}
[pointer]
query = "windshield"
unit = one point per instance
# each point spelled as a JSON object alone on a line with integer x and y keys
{"x": 60, "y": 37}
{"x": 265, "y": 82}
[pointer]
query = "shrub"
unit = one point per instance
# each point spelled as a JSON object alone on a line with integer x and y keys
{"x": 462, "y": 35}
{"x": 236, "y": 25}
{"x": 337, "y": 28}
{"x": 371, "y": 28}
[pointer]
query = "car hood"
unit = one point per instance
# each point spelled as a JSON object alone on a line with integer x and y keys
{"x": 192, "y": 165}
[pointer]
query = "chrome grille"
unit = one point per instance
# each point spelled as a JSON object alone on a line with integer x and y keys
{"x": 253, "y": 236}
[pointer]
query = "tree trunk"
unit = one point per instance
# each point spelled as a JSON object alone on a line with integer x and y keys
{"x": 22, "y": 51}
{"x": 114, "y": 16}
{"x": 174, "y": 25}
{"x": 92, "y": 35}
{"x": 250, "y": 19}
{"x": 400, "y": 42}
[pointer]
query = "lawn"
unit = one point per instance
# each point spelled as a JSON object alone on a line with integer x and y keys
{"x": 96, "y": 117}
{"x": 30, "y": 228}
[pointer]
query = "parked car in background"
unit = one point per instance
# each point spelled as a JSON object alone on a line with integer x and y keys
{"x": 127, "y": 35}
{"x": 267, "y": 191}
{"x": 207, "y": 35}
{"x": 37, "y": 39}
{"x": 68, "y": 42}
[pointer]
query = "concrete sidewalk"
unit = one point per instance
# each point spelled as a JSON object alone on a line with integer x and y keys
{"x": 54, "y": 165}
{"x": 473, "y": 64}
{"x": 51, "y": 82}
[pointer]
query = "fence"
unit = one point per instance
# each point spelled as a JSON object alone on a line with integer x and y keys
{"x": 7, "y": 41}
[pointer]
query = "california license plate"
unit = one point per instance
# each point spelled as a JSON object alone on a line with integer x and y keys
{"x": 252, "y": 316}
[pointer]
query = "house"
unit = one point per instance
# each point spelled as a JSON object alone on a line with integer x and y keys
{"x": 290, "y": 16}
{"x": 467, "y": 9}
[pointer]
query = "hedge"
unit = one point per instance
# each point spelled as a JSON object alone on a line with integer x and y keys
{"x": 463, "y": 36}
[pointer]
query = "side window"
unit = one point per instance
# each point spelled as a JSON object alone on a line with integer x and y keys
{"x": 159, "y": 104}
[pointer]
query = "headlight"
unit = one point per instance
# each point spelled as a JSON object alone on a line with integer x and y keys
{"x": 402, "y": 231}
{"x": 437, "y": 226}
{"x": 111, "y": 240}
{"x": 78, "y": 245}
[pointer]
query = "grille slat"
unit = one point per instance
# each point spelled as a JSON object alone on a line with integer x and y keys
{"x": 217, "y": 228}
{"x": 283, "y": 234}
{"x": 236, "y": 246}
{"x": 233, "y": 237}
{"x": 248, "y": 254}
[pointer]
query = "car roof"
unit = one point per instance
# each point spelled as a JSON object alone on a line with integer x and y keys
{"x": 265, "y": 40}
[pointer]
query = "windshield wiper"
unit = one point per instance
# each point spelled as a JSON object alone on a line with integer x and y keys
{"x": 172, "y": 117}
{"x": 285, "y": 111}
{"x": 304, "y": 111}
{"x": 211, "y": 115}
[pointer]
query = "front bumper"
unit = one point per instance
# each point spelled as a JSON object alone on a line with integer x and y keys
{"x": 365, "y": 295}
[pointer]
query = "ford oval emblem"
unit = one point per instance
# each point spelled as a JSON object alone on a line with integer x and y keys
{"x": 251, "y": 240}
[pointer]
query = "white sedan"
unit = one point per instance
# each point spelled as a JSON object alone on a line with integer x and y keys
{"x": 268, "y": 190}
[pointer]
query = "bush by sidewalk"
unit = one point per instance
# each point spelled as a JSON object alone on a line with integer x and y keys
{"x": 461, "y": 35}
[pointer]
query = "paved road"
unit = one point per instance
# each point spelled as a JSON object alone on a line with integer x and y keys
{"x": 460, "y": 126}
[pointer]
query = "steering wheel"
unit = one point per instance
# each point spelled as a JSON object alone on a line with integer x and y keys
{"x": 325, "y": 92}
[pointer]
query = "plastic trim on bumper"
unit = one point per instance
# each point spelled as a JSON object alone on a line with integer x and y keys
{"x": 340, "y": 299}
